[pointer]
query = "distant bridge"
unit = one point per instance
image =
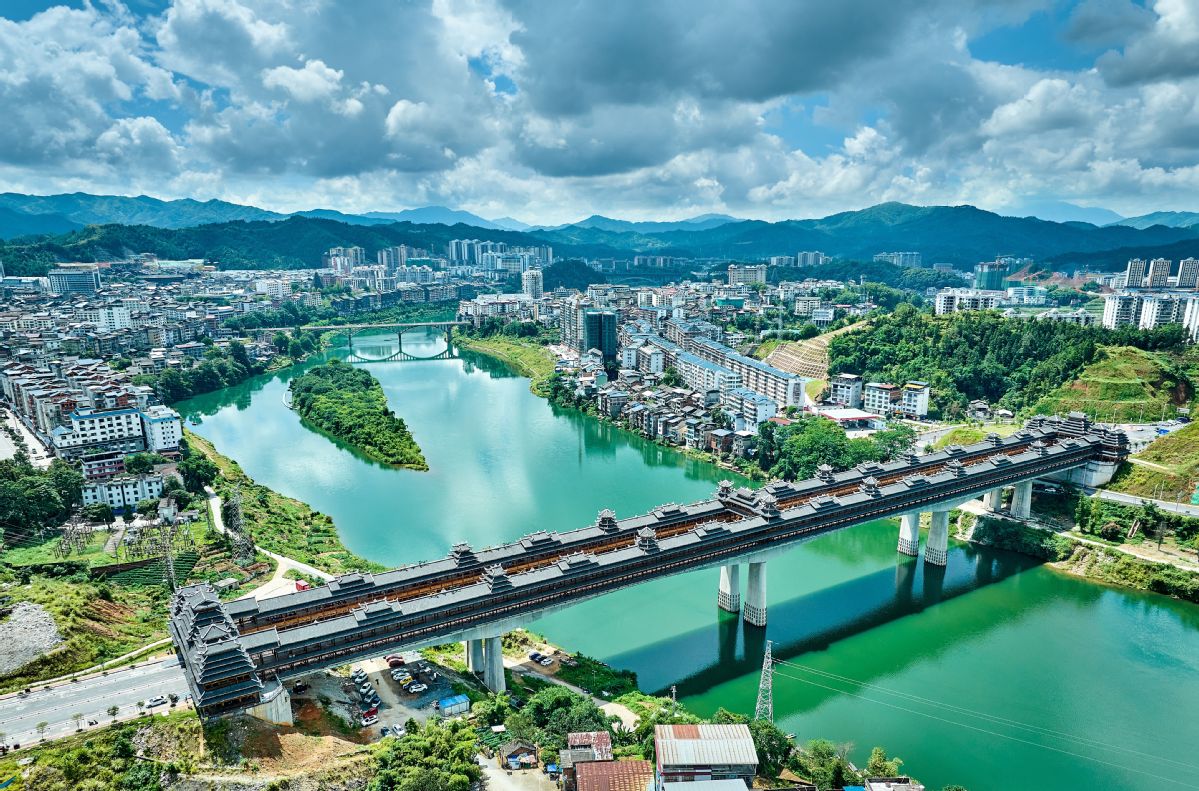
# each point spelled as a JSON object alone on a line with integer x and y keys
{"x": 237, "y": 653}
{"x": 401, "y": 328}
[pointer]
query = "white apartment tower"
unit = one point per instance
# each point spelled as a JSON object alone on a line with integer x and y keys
{"x": 1159, "y": 272}
{"x": 532, "y": 283}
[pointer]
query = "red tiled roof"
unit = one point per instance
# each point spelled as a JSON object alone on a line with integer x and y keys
{"x": 614, "y": 775}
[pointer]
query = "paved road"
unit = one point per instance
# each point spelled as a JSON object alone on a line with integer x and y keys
{"x": 218, "y": 522}
{"x": 19, "y": 716}
{"x": 1132, "y": 499}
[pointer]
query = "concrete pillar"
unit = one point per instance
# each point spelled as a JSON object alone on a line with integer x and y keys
{"x": 1022, "y": 500}
{"x": 275, "y": 707}
{"x": 993, "y": 500}
{"x": 474, "y": 656}
{"x": 755, "y": 595}
{"x": 909, "y": 535}
{"x": 937, "y": 548}
{"x": 493, "y": 671}
{"x": 729, "y": 598}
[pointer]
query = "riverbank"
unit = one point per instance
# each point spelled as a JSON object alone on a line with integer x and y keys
{"x": 280, "y": 524}
{"x": 1081, "y": 558}
{"x": 531, "y": 360}
{"x": 348, "y": 403}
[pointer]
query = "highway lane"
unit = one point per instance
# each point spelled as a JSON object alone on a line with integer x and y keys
{"x": 90, "y": 697}
{"x": 1131, "y": 499}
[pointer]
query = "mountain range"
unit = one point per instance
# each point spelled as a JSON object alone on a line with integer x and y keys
{"x": 93, "y": 227}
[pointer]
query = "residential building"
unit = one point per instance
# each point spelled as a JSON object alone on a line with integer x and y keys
{"x": 753, "y": 408}
{"x": 689, "y": 753}
{"x": 913, "y": 402}
{"x": 624, "y": 775}
{"x": 107, "y": 318}
{"x": 1121, "y": 309}
{"x": 807, "y": 305}
{"x": 75, "y": 279}
{"x": 1190, "y": 319}
{"x": 1134, "y": 273}
{"x": 275, "y": 289}
{"x": 599, "y": 332}
{"x": 880, "y": 398}
{"x": 786, "y": 389}
{"x": 746, "y": 274}
{"x": 953, "y": 300}
{"x": 901, "y": 259}
{"x": 705, "y": 375}
{"x": 782, "y": 260}
{"x": 123, "y": 492}
{"x": 1159, "y": 273}
{"x": 162, "y": 428}
{"x": 1188, "y": 273}
{"x": 1027, "y": 295}
{"x": 1079, "y": 316}
{"x": 1159, "y": 309}
{"x": 655, "y": 261}
{"x": 532, "y": 283}
{"x": 811, "y": 258}
{"x": 91, "y": 431}
{"x": 846, "y": 389}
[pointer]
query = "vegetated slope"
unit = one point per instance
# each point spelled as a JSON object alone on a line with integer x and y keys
{"x": 1123, "y": 384}
{"x": 84, "y": 209}
{"x": 348, "y": 403}
{"x": 1168, "y": 469}
{"x": 14, "y": 224}
{"x": 1009, "y": 362}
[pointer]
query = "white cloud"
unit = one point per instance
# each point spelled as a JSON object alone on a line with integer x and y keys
{"x": 313, "y": 82}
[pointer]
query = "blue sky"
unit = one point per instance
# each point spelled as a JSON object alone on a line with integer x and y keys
{"x": 552, "y": 112}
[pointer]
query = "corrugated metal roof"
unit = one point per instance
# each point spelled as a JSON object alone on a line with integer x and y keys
{"x": 614, "y": 776}
{"x": 704, "y": 745}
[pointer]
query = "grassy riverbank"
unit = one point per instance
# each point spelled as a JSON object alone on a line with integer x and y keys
{"x": 282, "y": 524}
{"x": 1103, "y": 564}
{"x": 348, "y": 403}
{"x": 526, "y": 357}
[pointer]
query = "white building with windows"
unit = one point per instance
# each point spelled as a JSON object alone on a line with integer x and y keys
{"x": 123, "y": 492}
{"x": 162, "y": 428}
{"x": 94, "y": 431}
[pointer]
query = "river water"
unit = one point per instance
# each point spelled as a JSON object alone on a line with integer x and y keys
{"x": 996, "y": 673}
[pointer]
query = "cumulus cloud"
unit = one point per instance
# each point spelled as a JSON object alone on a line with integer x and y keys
{"x": 554, "y": 111}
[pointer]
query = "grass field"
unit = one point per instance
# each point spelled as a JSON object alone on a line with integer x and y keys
{"x": 1124, "y": 385}
{"x": 968, "y": 435}
{"x": 1178, "y": 453}
{"x": 528, "y": 358}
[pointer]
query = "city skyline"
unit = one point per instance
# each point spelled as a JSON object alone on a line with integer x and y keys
{"x": 653, "y": 113}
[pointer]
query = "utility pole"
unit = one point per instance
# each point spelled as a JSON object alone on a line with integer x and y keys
{"x": 765, "y": 708}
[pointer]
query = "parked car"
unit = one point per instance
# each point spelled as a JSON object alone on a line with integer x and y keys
{"x": 390, "y": 657}
{"x": 370, "y": 711}
{"x": 369, "y": 721}
{"x": 545, "y": 661}
{"x": 366, "y": 689}
{"x": 417, "y": 688}
{"x": 375, "y": 700}
{"x": 157, "y": 700}
{"x": 394, "y": 663}
{"x": 535, "y": 656}
{"x": 402, "y": 678}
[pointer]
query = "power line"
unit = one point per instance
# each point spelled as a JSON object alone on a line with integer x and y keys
{"x": 765, "y": 708}
{"x": 991, "y": 733}
{"x": 1088, "y": 741}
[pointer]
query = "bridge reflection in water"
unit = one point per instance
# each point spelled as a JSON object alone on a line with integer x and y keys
{"x": 236, "y": 652}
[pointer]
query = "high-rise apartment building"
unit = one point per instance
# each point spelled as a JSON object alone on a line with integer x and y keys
{"x": 1159, "y": 272}
{"x": 532, "y": 283}
{"x": 991, "y": 275}
{"x": 810, "y": 258}
{"x": 1134, "y": 273}
{"x": 599, "y": 332}
{"x": 747, "y": 274}
{"x": 1188, "y": 273}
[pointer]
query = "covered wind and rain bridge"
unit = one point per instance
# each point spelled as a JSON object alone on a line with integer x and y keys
{"x": 236, "y": 654}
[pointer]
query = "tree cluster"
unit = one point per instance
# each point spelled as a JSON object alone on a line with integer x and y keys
{"x": 794, "y": 452}
{"x": 218, "y": 369}
{"x": 551, "y": 714}
{"x": 436, "y": 756}
{"x": 32, "y": 499}
{"x": 348, "y": 403}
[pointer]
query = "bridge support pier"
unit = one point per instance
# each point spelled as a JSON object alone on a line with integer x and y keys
{"x": 936, "y": 551}
{"x": 754, "y": 612}
{"x": 1022, "y": 500}
{"x": 493, "y": 671}
{"x": 909, "y": 535}
{"x": 993, "y": 500}
{"x": 474, "y": 656}
{"x": 729, "y": 598}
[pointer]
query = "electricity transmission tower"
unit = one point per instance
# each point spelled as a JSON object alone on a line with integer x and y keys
{"x": 235, "y": 526}
{"x": 765, "y": 708}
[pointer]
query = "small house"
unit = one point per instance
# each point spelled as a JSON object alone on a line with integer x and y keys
{"x": 517, "y": 754}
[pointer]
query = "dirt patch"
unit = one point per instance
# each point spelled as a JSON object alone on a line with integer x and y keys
{"x": 314, "y": 744}
{"x": 27, "y": 633}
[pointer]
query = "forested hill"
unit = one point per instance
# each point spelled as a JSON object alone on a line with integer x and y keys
{"x": 961, "y": 235}
{"x": 970, "y": 355}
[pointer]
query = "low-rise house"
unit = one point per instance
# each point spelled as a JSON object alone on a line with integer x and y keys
{"x": 704, "y": 752}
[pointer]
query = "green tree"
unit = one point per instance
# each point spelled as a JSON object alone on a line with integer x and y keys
{"x": 197, "y": 472}
{"x": 99, "y": 512}
{"x": 773, "y": 746}
{"x": 671, "y": 377}
{"x": 147, "y": 507}
{"x": 141, "y": 463}
{"x": 113, "y": 711}
{"x": 880, "y": 765}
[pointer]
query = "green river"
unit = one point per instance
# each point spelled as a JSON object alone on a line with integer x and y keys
{"x": 996, "y": 673}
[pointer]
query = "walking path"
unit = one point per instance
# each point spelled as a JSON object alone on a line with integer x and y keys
{"x": 284, "y": 562}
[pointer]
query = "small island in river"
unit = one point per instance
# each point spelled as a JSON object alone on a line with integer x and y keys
{"x": 348, "y": 403}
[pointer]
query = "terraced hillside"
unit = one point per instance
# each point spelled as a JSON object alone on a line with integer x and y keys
{"x": 807, "y": 358}
{"x": 1167, "y": 470}
{"x": 1124, "y": 384}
